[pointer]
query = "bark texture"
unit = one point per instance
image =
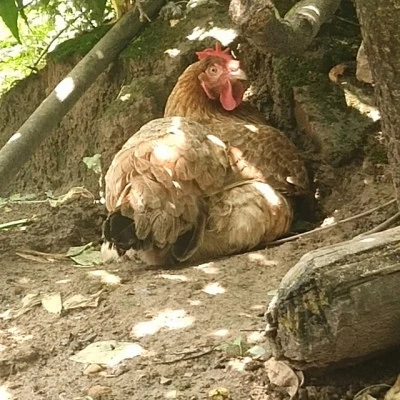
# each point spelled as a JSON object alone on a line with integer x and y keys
{"x": 262, "y": 25}
{"x": 339, "y": 304}
{"x": 380, "y": 30}
{"x": 48, "y": 115}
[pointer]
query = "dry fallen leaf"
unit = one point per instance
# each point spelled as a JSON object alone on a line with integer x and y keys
{"x": 336, "y": 72}
{"x": 28, "y": 302}
{"x": 80, "y": 301}
{"x": 52, "y": 303}
{"x": 108, "y": 352}
{"x": 73, "y": 194}
{"x": 97, "y": 391}
{"x": 280, "y": 374}
{"x": 220, "y": 393}
{"x": 93, "y": 369}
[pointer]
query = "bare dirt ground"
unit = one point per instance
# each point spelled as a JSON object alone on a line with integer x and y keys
{"x": 177, "y": 316}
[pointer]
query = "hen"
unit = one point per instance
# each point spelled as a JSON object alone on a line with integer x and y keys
{"x": 207, "y": 179}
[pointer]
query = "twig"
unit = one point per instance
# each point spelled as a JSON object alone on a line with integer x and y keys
{"x": 347, "y": 20}
{"x": 44, "y": 52}
{"x": 251, "y": 330}
{"x": 11, "y": 224}
{"x": 366, "y": 389}
{"x": 323, "y": 228}
{"x": 187, "y": 357}
{"x": 384, "y": 225}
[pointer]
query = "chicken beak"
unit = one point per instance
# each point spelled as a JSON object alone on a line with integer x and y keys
{"x": 238, "y": 74}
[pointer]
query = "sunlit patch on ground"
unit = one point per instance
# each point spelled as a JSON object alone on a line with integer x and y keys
{"x": 214, "y": 289}
{"x": 194, "y": 302}
{"x": 105, "y": 277}
{"x": 328, "y": 221}
{"x": 169, "y": 319}
{"x": 16, "y": 335}
{"x": 258, "y": 307}
{"x": 208, "y": 268}
{"x": 239, "y": 364}
{"x": 260, "y": 259}
{"x": 4, "y": 393}
{"x": 220, "y": 333}
{"x": 256, "y": 337}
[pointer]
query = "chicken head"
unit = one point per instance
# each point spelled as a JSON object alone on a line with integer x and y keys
{"x": 222, "y": 77}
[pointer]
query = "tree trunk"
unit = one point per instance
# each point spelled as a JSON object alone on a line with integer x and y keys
{"x": 381, "y": 34}
{"x": 261, "y": 24}
{"x": 339, "y": 304}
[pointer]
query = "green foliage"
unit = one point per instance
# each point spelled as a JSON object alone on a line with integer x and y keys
{"x": 10, "y": 10}
{"x": 29, "y": 31}
{"x": 9, "y": 14}
{"x": 79, "y": 45}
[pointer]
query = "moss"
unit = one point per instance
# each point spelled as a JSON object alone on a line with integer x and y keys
{"x": 375, "y": 148}
{"x": 292, "y": 71}
{"x": 348, "y": 136}
{"x": 79, "y": 45}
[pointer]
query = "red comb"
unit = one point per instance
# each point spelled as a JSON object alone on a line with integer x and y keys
{"x": 217, "y": 52}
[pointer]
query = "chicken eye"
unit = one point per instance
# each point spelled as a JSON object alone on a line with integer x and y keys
{"x": 214, "y": 70}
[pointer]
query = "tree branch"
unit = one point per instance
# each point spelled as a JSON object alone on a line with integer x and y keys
{"x": 20, "y": 147}
{"x": 262, "y": 25}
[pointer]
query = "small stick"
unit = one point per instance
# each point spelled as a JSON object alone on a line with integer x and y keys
{"x": 384, "y": 225}
{"x": 185, "y": 358}
{"x": 322, "y": 228}
{"x": 11, "y": 224}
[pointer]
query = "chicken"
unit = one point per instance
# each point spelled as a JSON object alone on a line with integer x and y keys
{"x": 206, "y": 180}
{"x": 210, "y": 91}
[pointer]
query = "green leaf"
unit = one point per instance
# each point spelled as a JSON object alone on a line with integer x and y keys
{"x": 9, "y": 14}
{"x": 93, "y": 163}
{"x": 85, "y": 255}
{"x": 256, "y": 351}
{"x": 97, "y": 7}
{"x": 74, "y": 251}
{"x": 88, "y": 258}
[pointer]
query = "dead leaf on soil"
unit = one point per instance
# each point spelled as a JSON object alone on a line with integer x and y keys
{"x": 80, "y": 301}
{"x": 93, "y": 369}
{"x": 85, "y": 256}
{"x": 108, "y": 352}
{"x": 336, "y": 72}
{"x": 73, "y": 194}
{"x": 52, "y": 303}
{"x": 280, "y": 374}
{"x": 97, "y": 391}
{"x": 220, "y": 393}
{"x": 28, "y": 302}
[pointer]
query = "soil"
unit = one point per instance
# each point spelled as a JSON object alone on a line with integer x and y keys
{"x": 36, "y": 347}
